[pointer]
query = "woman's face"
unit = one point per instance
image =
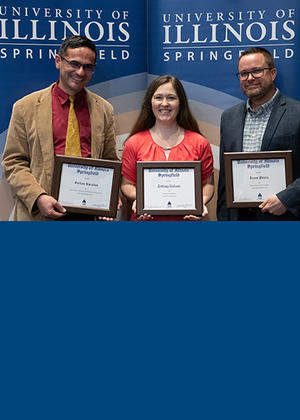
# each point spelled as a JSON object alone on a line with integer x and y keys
{"x": 165, "y": 104}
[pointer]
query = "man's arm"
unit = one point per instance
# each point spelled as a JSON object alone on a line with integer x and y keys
{"x": 16, "y": 160}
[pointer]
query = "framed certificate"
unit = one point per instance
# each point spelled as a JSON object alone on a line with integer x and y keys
{"x": 84, "y": 185}
{"x": 169, "y": 188}
{"x": 250, "y": 178}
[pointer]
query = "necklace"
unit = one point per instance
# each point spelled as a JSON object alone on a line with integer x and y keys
{"x": 162, "y": 140}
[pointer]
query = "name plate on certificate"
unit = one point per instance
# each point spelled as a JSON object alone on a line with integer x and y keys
{"x": 84, "y": 185}
{"x": 250, "y": 178}
{"x": 169, "y": 188}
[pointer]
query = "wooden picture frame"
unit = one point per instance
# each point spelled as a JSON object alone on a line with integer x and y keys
{"x": 85, "y": 185}
{"x": 169, "y": 188}
{"x": 252, "y": 177}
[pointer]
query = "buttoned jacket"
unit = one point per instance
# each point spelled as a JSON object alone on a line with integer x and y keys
{"x": 28, "y": 158}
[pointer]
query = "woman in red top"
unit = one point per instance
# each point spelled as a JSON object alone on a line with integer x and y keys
{"x": 166, "y": 131}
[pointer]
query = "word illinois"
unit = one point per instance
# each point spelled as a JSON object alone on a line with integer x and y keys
{"x": 226, "y": 33}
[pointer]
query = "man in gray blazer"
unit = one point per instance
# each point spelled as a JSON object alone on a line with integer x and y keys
{"x": 38, "y": 127}
{"x": 267, "y": 121}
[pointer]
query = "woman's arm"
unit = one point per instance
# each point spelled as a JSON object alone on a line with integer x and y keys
{"x": 208, "y": 189}
{"x": 128, "y": 189}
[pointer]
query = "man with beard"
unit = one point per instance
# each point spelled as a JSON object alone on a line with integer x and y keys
{"x": 268, "y": 121}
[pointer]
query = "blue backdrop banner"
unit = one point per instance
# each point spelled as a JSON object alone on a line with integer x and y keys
{"x": 197, "y": 41}
{"x": 31, "y": 34}
{"x": 200, "y": 42}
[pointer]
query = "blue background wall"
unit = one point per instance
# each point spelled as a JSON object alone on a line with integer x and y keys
{"x": 199, "y": 42}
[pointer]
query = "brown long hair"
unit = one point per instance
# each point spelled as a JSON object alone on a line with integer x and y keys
{"x": 146, "y": 118}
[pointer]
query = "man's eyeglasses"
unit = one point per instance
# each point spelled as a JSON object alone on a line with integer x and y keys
{"x": 256, "y": 73}
{"x": 88, "y": 68}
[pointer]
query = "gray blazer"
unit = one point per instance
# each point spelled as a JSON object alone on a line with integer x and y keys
{"x": 282, "y": 133}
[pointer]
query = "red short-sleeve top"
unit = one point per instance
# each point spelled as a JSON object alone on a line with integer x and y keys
{"x": 141, "y": 147}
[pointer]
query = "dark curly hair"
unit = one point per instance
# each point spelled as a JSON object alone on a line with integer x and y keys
{"x": 76, "y": 41}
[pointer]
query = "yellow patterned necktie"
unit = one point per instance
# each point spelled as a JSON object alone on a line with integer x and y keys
{"x": 73, "y": 139}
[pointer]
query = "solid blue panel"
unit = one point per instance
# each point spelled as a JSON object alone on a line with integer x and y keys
{"x": 200, "y": 42}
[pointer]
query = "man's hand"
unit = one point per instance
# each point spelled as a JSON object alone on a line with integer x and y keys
{"x": 273, "y": 205}
{"x": 49, "y": 207}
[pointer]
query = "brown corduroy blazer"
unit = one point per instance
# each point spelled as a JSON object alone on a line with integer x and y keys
{"x": 28, "y": 158}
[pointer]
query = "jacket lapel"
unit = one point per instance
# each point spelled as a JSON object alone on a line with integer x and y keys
{"x": 275, "y": 117}
{"x": 239, "y": 128}
{"x": 43, "y": 120}
{"x": 97, "y": 124}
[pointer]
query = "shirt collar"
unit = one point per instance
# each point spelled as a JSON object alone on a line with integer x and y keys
{"x": 63, "y": 96}
{"x": 265, "y": 108}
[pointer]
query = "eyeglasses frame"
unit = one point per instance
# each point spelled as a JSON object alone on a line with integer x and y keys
{"x": 250, "y": 72}
{"x": 81, "y": 65}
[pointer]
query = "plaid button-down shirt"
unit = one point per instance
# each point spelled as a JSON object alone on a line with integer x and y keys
{"x": 255, "y": 125}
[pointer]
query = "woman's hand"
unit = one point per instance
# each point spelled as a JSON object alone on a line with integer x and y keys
{"x": 143, "y": 216}
{"x": 197, "y": 218}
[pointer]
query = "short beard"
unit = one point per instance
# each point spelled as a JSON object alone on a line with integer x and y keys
{"x": 259, "y": 93}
